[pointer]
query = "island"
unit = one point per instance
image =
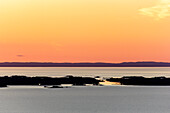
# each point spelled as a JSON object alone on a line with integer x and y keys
{"x": 57, "y": 82}
{"x": 140, "y": 80}
{"x": 45, "y": 80}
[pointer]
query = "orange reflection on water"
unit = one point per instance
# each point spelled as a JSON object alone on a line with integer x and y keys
{"x": 109, "y": 83}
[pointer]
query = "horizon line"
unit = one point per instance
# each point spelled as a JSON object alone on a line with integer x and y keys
{"x": 89, "y": 62}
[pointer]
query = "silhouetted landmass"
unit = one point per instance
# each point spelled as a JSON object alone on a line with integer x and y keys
{"x": 140, "y": 80}
{"x": 24, "y": 80}
{"x": 50, "y": 64}
{"x": 56, "y": 82}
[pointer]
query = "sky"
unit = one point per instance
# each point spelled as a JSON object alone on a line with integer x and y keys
{"x": 84, "y": 30}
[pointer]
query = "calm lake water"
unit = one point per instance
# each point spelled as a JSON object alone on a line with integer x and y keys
{"x": 101, "y": 99}
{"x": 86, "y": 71}
{"x": 85, "y": 99}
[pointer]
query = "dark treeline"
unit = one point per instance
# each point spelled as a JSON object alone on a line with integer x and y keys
{"x": 140, "y": 80}
{"x": 126, "y": 80}
{"x": 50, "y": 64}
{"x": 24, "y": 80}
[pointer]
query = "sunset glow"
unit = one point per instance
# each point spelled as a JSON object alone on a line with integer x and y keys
{"x": 84, "y": 30}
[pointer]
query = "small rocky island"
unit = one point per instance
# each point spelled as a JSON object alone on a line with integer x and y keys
{"x": 46, "y": 81}
{"x": 140, "y": 80}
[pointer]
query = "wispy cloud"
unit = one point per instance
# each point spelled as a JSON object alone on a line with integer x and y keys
{"x": 159, "y": 11}
{"x": 20, "y": 55}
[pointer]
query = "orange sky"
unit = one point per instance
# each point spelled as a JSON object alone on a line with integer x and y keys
{"x": 84, "y": 30}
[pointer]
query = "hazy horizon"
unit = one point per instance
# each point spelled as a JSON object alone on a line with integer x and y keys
{"x": 86, "y": 62}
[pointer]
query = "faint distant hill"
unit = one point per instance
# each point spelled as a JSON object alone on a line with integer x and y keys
{"x": 50, "y": 64}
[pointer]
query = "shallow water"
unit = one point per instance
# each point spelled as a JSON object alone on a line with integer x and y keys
{"x": 86, "y": 71}
{"x": 106, "y": 99}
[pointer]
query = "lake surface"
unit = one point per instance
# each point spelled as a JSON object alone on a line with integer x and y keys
{"x": 90, "y": 99}
{"x": 86, "y": 71}
{"x": 85, "y": 99}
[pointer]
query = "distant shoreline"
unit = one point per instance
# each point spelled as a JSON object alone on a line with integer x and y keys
{"x": 50, "y": 64}
{"x": 56, "y": 82}
{"x": 85, "y": 66}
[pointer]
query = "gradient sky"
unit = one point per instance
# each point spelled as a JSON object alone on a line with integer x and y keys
{"x": 84, "y": 30}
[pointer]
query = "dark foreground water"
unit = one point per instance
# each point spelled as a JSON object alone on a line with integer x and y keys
{"x": 86, "y": 71}
{"x": 90, "y": 99}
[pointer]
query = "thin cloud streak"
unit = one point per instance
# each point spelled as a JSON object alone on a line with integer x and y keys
{"x": 159, "y": 11}
{"x": 20, "y": 55}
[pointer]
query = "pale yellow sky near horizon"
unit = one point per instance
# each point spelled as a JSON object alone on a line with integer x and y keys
{"x": 84, "y": 30}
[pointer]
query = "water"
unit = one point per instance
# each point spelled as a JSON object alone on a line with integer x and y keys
{"x": 86, "y": 71}
{"x": 85, "y": 99}
{"x": 107, "y": 99}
